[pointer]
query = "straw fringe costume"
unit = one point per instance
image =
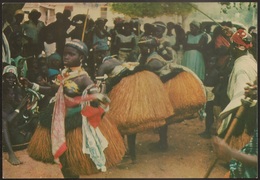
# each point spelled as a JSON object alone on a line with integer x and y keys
{"x": 185, "y": 89}
{"x": 138, "y": 99}
{"x": 87, "y": 143}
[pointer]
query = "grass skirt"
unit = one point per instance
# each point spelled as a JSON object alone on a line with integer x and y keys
{"x": 187, "y": 95}
{"x": 78, "y": 163}
{"x": 139, "y": 102}
{"x": 39, "y": 147}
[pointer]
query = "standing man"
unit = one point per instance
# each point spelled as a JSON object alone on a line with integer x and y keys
{"x": 32, "y": 28}
{"x": 244, "y": 71}
{"x": 97, "y": 41}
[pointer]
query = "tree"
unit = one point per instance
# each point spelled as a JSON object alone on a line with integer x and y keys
{"x": 248, "y": 10}
{"x": 153, "y": 9}
{"x": 226, "y": 6}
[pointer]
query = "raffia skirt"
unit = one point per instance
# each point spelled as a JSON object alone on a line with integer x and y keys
{"x": 186, "y": 92}
{"x": 139, "y": 102}
{"x": 40, "y": 147}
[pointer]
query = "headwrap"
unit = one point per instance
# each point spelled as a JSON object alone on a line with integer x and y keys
{"x": 53, "y": 72}
{"x": 101, "y": 20}
{"x": 10, "y": 69}
{"x": 196, "y": 23}
{"x": 242, "y": 39}
{"x": 160, "y": 23}
{"x": 79, "y": 45}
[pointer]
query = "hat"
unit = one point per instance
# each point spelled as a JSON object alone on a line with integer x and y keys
{"x": 79, "y": 45}
{"x": 242, "y": 38}
{"x": 170, "y": 25}
{"x": 195, "y": 23}
{"x": 160, "y": 23}
{"x": 35, "y": 13}
{"x": 19, "y": 11}
{"x": 99, "y": 20}
{"x": 10, "y": 69}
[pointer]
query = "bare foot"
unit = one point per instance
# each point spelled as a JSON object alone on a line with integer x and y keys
{"x": 14, "y": 160}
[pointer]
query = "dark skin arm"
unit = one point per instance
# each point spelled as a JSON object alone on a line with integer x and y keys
{"x": 107, "y": 67}
{"x": 226, "y": 153}
{"x": 46, "y": 90}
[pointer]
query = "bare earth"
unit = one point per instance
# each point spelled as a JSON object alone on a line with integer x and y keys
{"x": 188, "y": 156}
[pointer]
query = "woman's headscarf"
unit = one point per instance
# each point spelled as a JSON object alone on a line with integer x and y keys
{"x": 10, "y": 69}
{"x": 195, "y": 23}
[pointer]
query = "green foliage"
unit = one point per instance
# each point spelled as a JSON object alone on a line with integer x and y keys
{"x": 239, "y": 6}
{"x": 152, "y": 9}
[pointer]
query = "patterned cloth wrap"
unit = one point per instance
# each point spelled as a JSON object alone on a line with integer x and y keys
{"x": 238, "y": 169}
{"x": 94, "y": 142}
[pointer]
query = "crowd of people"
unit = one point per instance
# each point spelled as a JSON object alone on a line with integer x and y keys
{"x": 80, "y": 72}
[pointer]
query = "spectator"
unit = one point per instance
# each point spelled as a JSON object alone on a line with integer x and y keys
{"x": 170, "y": 35}
{"x": 125, "y": 43}
{"x": 59, "y": 29}
{"x": 32, "y": 29}
{"x": 78, "y": 23}
{"x": 118, "y": 23}
{"x": 180, "y": 38}
{"x": 66, "y": 15}
{"x": 15, "y": 26}
{"x": 47, "y": 40}
{"x": 54, "y": 65}
{"x": 148, "y": 29}
{"x": 6, "y": 54}
{"x": 193, "y": 46}
{"x": 97, "y": 41}
{"x": 8, "y": 19}
{"x": 253, "y": 50}
{"x": 14, "y": 100}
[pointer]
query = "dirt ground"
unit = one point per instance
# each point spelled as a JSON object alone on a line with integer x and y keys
{"x": 188, "y": 156}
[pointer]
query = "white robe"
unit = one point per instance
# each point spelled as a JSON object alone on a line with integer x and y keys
{"x": 244, "y": 71}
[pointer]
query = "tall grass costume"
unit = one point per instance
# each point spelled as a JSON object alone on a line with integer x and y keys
{"x": 138, "y": 99}
{"x": 184, "y": 88}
